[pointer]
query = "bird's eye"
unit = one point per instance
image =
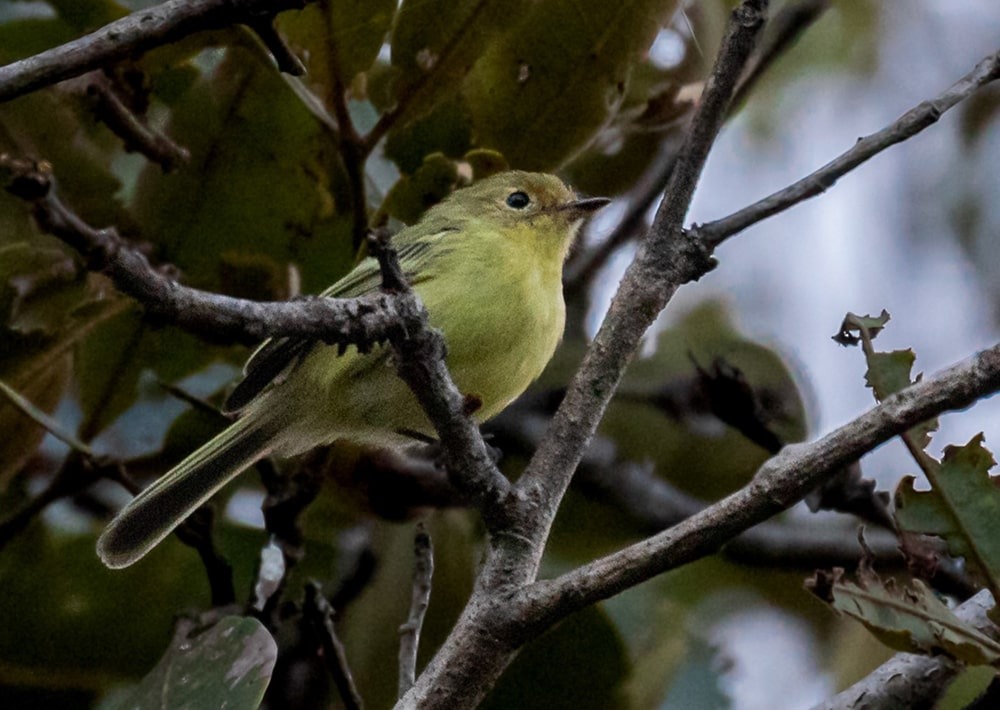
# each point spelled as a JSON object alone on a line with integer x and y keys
{"x": 518, "y": 200}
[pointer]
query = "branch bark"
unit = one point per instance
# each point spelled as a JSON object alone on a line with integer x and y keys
{"x": 139, "y": 32}
{"x": 481, "y": 644}
{"x": 906, "y": 126}
{"x": 781, "y": 482}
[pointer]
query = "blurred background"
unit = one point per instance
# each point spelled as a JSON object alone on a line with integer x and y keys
{"x": 263, "y": 209}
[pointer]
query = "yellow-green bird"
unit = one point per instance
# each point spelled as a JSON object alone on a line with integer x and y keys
{"x": 487, "y": 263}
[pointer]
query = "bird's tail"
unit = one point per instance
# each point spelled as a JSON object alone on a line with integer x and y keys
{"x": 156, "y": 511}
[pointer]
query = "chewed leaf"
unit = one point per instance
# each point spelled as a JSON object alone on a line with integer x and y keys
{"x": 853, "y": 324}
{"x": 911, "y": 619}
{"x": 963, "y": 507}
{"x": 227, "y": 666}
{"x": 888, "y": 373}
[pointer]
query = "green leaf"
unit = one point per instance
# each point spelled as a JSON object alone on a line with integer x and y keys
{"x": 436, "y": 42}
{"x": 341, "y": 35}
{"x": 262, "y": 191}
{"x": 888, "y": 373}
{"x": 39, "y": 285}
{"x": 71, "y": 622}
{"x": 88, "y": 15}
{"x": 541, "y": 93}
{"x": 24, "y": 37}
{"x": 229, "y": 665}
{"x": 263, "y": 181}
{"x": 47, "y": 305}
{"x": 111, "y": 361}
{"x": 912, "y": 619}
{"x": 963, "y": 506}
{"x": 485, "y": 162}
{"x": 446, "y": 129}
{"x": 412, "y": 195}
{"x": 581, "y": 663}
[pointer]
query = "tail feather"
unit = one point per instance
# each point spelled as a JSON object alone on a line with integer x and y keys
{"x": 156, "y": 511}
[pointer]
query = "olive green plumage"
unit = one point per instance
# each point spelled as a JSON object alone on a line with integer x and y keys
{"x": 487, "y": 264}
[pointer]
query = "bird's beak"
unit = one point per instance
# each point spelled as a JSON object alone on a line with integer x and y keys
{"x": 584, "y": 208}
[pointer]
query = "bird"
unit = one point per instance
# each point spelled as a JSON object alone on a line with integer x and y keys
{"x": 487, "y": 264}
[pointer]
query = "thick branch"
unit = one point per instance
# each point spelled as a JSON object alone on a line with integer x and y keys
{"x": 135, "y": 34}
{"x": 781, "y": 481}
{"x": 474, "y": 653}
{"x": 907, "y": 126}
{"x": 666, "y": 261}
{"x": 912, "y": 681}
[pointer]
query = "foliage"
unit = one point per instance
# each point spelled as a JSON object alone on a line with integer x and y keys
{"x": 401, "y": 104}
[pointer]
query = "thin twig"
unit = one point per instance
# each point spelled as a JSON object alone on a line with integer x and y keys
{"x": 906, "y": 126}
{"x": 77, "y": 472}
{"x": 133, "y": 130}
{"x": 284, "y": 57}
{"x": 130, "y": 36}
{"x": 409, "y": 632}
{"x": 780, "y": 35}
{"x": 45, "y": 421}
{"x": 356, "y": 564}
{"x": 197, "y": 532}
{"x": 351, "y": 144}
{"x": 320, "y": 614}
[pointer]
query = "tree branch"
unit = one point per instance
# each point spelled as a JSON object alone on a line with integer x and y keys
{"x": 394, "y": 315}
{"x": 421, "y": 350}
{"x": 478, "y": 648}
{"x": 906, "y": 126}
{"x": 665, "y": 261}
{"x": 135, "y": 133}
{"x": 134, "y": 34}
{"x": 779, "y": 483}
{"x": 363, "y": 321}
{"x": 780, "y": 34}
{"x": 318, "y": 612}
{"x": 409, "y": 632}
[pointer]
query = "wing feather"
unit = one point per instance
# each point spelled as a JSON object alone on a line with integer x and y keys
{"x": 271, "y": 362}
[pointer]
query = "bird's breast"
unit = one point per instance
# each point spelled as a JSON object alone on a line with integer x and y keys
{"x": 502, "y": 321}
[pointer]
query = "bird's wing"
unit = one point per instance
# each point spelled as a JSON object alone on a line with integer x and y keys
{"x": 275, "y": 357}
